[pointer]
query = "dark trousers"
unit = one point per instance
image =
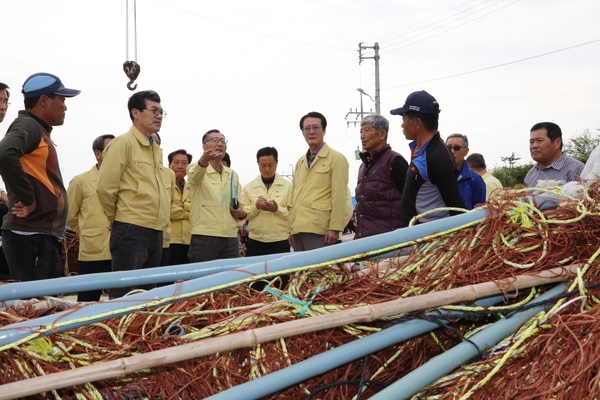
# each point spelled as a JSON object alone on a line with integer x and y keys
{"x": 3, "y": 264}
{"x": 207, "y": 248}
{"x": 32, "y": 257}
{"x": 133, "y": 247}
{"x": 256, "y": 248}
{"x": 92, "y": 267}
{"x": 309, "y": 241}
{"x": 179, "y": 254}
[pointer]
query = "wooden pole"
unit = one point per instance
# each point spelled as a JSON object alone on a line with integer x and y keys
{"x": 125, "y": 366}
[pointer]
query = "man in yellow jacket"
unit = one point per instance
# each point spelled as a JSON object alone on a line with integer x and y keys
{"x": 319, "y": 195}
{"x": 181, "y": 229}
{"x": 265, "y": 201}
{"x": 131, "y": 190}
{"x": 86, "y": 218}
{"x": 215, "y": 214}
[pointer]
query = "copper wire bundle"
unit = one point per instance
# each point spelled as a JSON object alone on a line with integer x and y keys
{"x": 516, "y": 238}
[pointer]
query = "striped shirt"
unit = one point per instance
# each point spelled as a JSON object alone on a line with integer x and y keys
{"x": 563, "y": 169}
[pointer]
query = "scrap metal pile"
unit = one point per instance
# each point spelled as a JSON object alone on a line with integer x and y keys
{"x": 231, "y": 341}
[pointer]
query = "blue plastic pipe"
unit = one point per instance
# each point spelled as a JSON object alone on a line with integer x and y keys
{"x": 96, "y": 312}
{"x": 448, "y": 361}
{"x": 26, "y": 290}
{"x": 326, "y": 361}
{"x": 72, "y": 284}
{"x": 81, "y": 283}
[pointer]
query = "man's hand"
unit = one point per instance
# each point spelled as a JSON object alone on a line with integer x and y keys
{"x": 291, "y": 241}
{"x": 238, "y": 213}
{"x": 21, "y": 211}
{"x": 331, "y": 237}
{"x": 210, "y": 155}
{"x": 266, "y": 205}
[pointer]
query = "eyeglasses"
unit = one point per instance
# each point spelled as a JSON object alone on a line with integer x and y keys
{"x": 315, "y": 128}
{"x": 216, "y": 140}
{"x": 157, "y": 112}
{"x": 6, "y": 103}
{"x": 456, "y": 147}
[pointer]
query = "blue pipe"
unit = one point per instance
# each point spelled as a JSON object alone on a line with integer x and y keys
{"x": 73, "y": 284}
{"x": 96, "y": 312}
{"x": 81, "y": 283}
{"x": 448, "y": 361}
{"x": 326, "y": 361}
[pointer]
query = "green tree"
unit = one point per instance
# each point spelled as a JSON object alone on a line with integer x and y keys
{"x": 580, "y": 146}
{"x": 511, "y": 175}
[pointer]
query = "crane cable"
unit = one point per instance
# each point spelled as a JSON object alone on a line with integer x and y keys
{"x": 131, "y": 68}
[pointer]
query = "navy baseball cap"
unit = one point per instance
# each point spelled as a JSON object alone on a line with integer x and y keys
{"x": 421, "y": 102}
{"x": 45, "y": 83}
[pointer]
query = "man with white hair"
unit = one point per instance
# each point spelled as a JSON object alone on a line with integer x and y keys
{"x": 381, "y": 180}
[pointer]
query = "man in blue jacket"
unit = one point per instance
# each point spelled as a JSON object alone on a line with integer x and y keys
{"x": 470, "y": 184}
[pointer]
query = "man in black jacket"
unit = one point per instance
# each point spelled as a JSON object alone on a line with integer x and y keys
{"x": 431, "y": 179}
{"x": 37, "y": 196}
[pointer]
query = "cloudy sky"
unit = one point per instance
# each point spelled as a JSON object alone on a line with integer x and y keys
{"x": 252, "y": 69}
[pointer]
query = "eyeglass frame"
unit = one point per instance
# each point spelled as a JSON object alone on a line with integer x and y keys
{"x": 314, "y": 128}
{"x": 216, "y": 140}
{"x": 156, "y": 112}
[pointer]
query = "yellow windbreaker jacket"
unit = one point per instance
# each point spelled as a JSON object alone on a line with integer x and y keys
{"x": 266, "y": 226}
{"x": 319, "y": 196}
{"x": 131, "y": 185}
{"x": 181, "y": 229}
{"x": 211, "y": 198}
{"x": 86, "y": 218}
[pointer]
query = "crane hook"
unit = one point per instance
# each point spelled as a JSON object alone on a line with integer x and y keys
{"x": 132, "y": 70}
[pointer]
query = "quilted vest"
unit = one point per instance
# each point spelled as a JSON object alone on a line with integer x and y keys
{"x": 378, "y": 197}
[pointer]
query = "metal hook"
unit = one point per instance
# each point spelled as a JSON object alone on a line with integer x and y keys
{"x": 132, "y": 70}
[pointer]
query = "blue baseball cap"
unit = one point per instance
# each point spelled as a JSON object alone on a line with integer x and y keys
{"x": 45, "y": 83}
{"x": 421, "y": 102}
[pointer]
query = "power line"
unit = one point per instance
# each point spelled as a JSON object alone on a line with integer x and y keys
{"x": 251, "y": 31}
{"x": 449, "y": 29}
{"x": 425, "y": 20}
{"x": 495, "y": 66}
{"x": 433, "y": 23}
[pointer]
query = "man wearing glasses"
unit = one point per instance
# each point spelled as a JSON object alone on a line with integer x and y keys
{"x": 431, "y": 179}
{"x": 215, "y": 212}
{"x": 319, "y": 197}
{"x": 470, "y": 184}
{"x": 132, "y": 193}
{"x": 37, "y": 196}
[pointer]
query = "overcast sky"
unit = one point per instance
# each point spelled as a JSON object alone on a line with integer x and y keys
{"x": 252, "y": 69}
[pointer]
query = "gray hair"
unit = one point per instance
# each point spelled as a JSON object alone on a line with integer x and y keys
{"x": 460, "y": 135}
{"x": 378, "y": 122}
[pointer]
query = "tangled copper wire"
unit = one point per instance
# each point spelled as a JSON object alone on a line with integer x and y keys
{"x": 558, "y": 362}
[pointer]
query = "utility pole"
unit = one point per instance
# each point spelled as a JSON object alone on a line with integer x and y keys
{"x": 375, "y": 57}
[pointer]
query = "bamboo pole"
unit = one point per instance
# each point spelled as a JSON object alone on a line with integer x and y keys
{"x": 250, "y": 338}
